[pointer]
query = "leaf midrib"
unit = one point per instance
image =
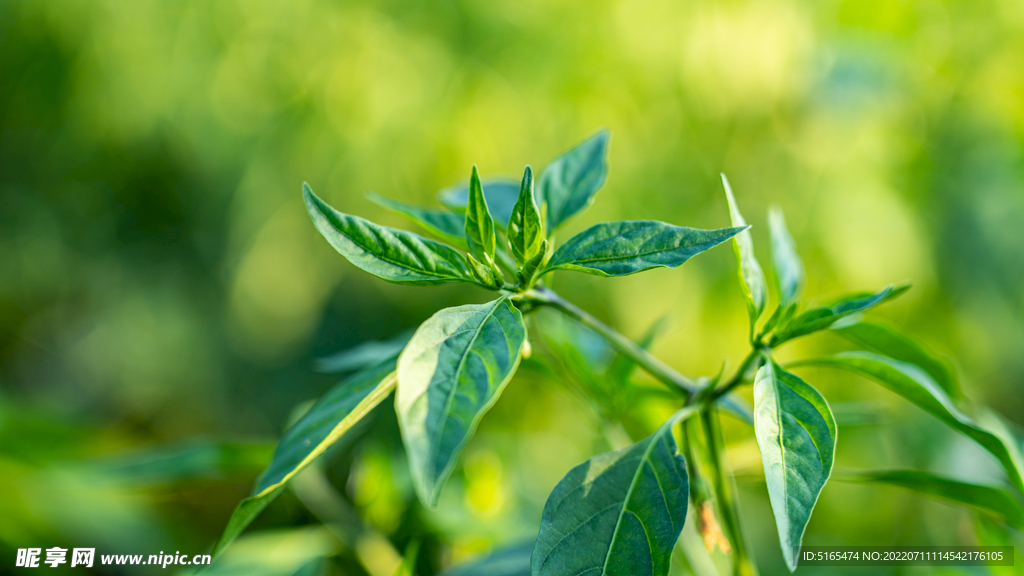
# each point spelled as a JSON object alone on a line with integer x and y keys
{"x": 638, "y": 255}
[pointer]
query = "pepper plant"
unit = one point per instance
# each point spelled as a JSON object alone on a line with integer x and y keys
{"x": 620, "y": 512}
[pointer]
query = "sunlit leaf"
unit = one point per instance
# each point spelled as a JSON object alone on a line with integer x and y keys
{"x": 479, "y": 226}
{"x": 991, "y": 499}
{"x": 823, "y": 317}
{"x": 525, "y": 229}
{"x": 618, "y": 513}
{"x": 797, "y": 436}
{"x": 445, "y": 225}
{"x": 631, "y": 246}
{"x": 789, "y": 268}
{"x": 892, "y": 343}
{"x": 453, "y": 370}
{"x": 567, "y": 185}
{"x": 917, "y": 386}
{"x": 325, "y": 423}
{"x": 388, "y": 253}
{"x": 751, "y": 276}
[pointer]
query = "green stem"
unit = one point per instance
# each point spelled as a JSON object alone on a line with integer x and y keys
{"x": 652, "y": 364}
{"x": 726, "y": 495}
{"x": 737, "y": 379}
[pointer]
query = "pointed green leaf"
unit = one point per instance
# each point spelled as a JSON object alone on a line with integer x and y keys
{"x": 479, "y": 224}
{"x": 991, "y": 499}
{"x": 394, "y": 255}
{"x": 537, "y": 262}
{"x": 445, "y": 225}
{"x": 618, "y": 513}
{"x": 514, "y": 561}
{"x": 789, "y": 268}
{"x": 823, "y": 317}
{"x": 917, "y": 386}
{"x": 892, "y": 343}
{"x": 631, "y": 246}
{"x": 797, "y": 437}
{"x": 325, "y": 423}
{"x": 501, "y": 196}
{"x": 567, "y": 185}
{"x": 486, "y": 276}
{"x": 450, "y": 374}
{"x": 525, "y": 230}
{"x": 751, "y": 276}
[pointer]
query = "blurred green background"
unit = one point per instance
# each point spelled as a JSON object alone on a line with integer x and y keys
{"x": 163, "y": 292}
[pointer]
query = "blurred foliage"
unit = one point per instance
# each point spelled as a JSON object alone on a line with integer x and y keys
{"x": 160, "y": 280}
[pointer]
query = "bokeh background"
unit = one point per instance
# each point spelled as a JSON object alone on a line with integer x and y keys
{"x": 163, "y": 293}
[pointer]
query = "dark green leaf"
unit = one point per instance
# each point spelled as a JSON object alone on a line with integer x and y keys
{"x": 630, "y": 246}
{"x": 450, "y": 374}
{"x": 501, "y": 197}
{"x": 822, "y": 317}
{"x": 991, "y": 499}
{"x": 479, "y": 224}
{"x": 890, "y": 342}
{"x": 325, "y": 423}
{"x": 363, "y": 355}
{"x": 441, "y": 223}
{"x": 514, "y": 561}
{"x": 567, "y": 185}
{"x": 388, "y": 253}
{"x": 917, "y": 386}
{"x": 751, "y": 276}
{"x": 525, "y": 230}
{"x": 797, "y": 437}
{"x": 789, "y": 268}
{"x": 618, "y": 513}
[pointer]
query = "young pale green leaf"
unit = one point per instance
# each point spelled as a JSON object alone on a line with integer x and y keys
{"x": 822, "y": 317}
{"x": 917, "y": 386}
{"x": 514, "y": 561}
{"x": 445, "y": 225}
{"x": 990, "y": 499}
{"x": 450, "y": 374}
{"x": 631, "y": 246}
{"x": 486, "y": 276}
{"x": 501, "y": 196}
{"x": 537, "y": 262}
{"x": 525, "y": 230}
{"x": 479, "y": 224}
{"x": 387, "y": 253}
{"x": 325, "y": 423}
{"x": 363, "y": 355}
{"x": 789, "y": 268}
{"x": 890, "y": 342}
{"x": 618, "y": 513}
{"x": 797, "y": 437}
{"x": 567, "y": 185}
{"x": 751, "y": 276}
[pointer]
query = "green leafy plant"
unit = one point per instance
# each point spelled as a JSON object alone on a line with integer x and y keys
{"x": 621, "y": 512}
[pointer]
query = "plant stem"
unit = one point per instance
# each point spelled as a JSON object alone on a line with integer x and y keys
{"x": 650, "y": 363}
{"x": 737, "y": 379}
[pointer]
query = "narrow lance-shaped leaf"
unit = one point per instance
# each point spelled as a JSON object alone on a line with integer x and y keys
{"x": 568, "y": 184}
{"x": 325, "y": 423}
{"x": 479, "y": 224}
{"x": 916, "y": 386}
{"x": 525, "y": 230}
{"x": 631, "y": 246}
{"x": 789, "y": 268}
{"x": 991, "y": 499}
{"x": 501, "y": 197}
{"x": 823, "y": 317}
{"x": 445, "y": 225}
{"x": 618, "y": 513}
{"x": 363, "y": 355}
{"x": 751, "y": 276}
{"x": 894, "y": 344}
{"x": 394, "y": 255}
{"x": 797, "y": 436}
{"x": 450, "y": 374}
